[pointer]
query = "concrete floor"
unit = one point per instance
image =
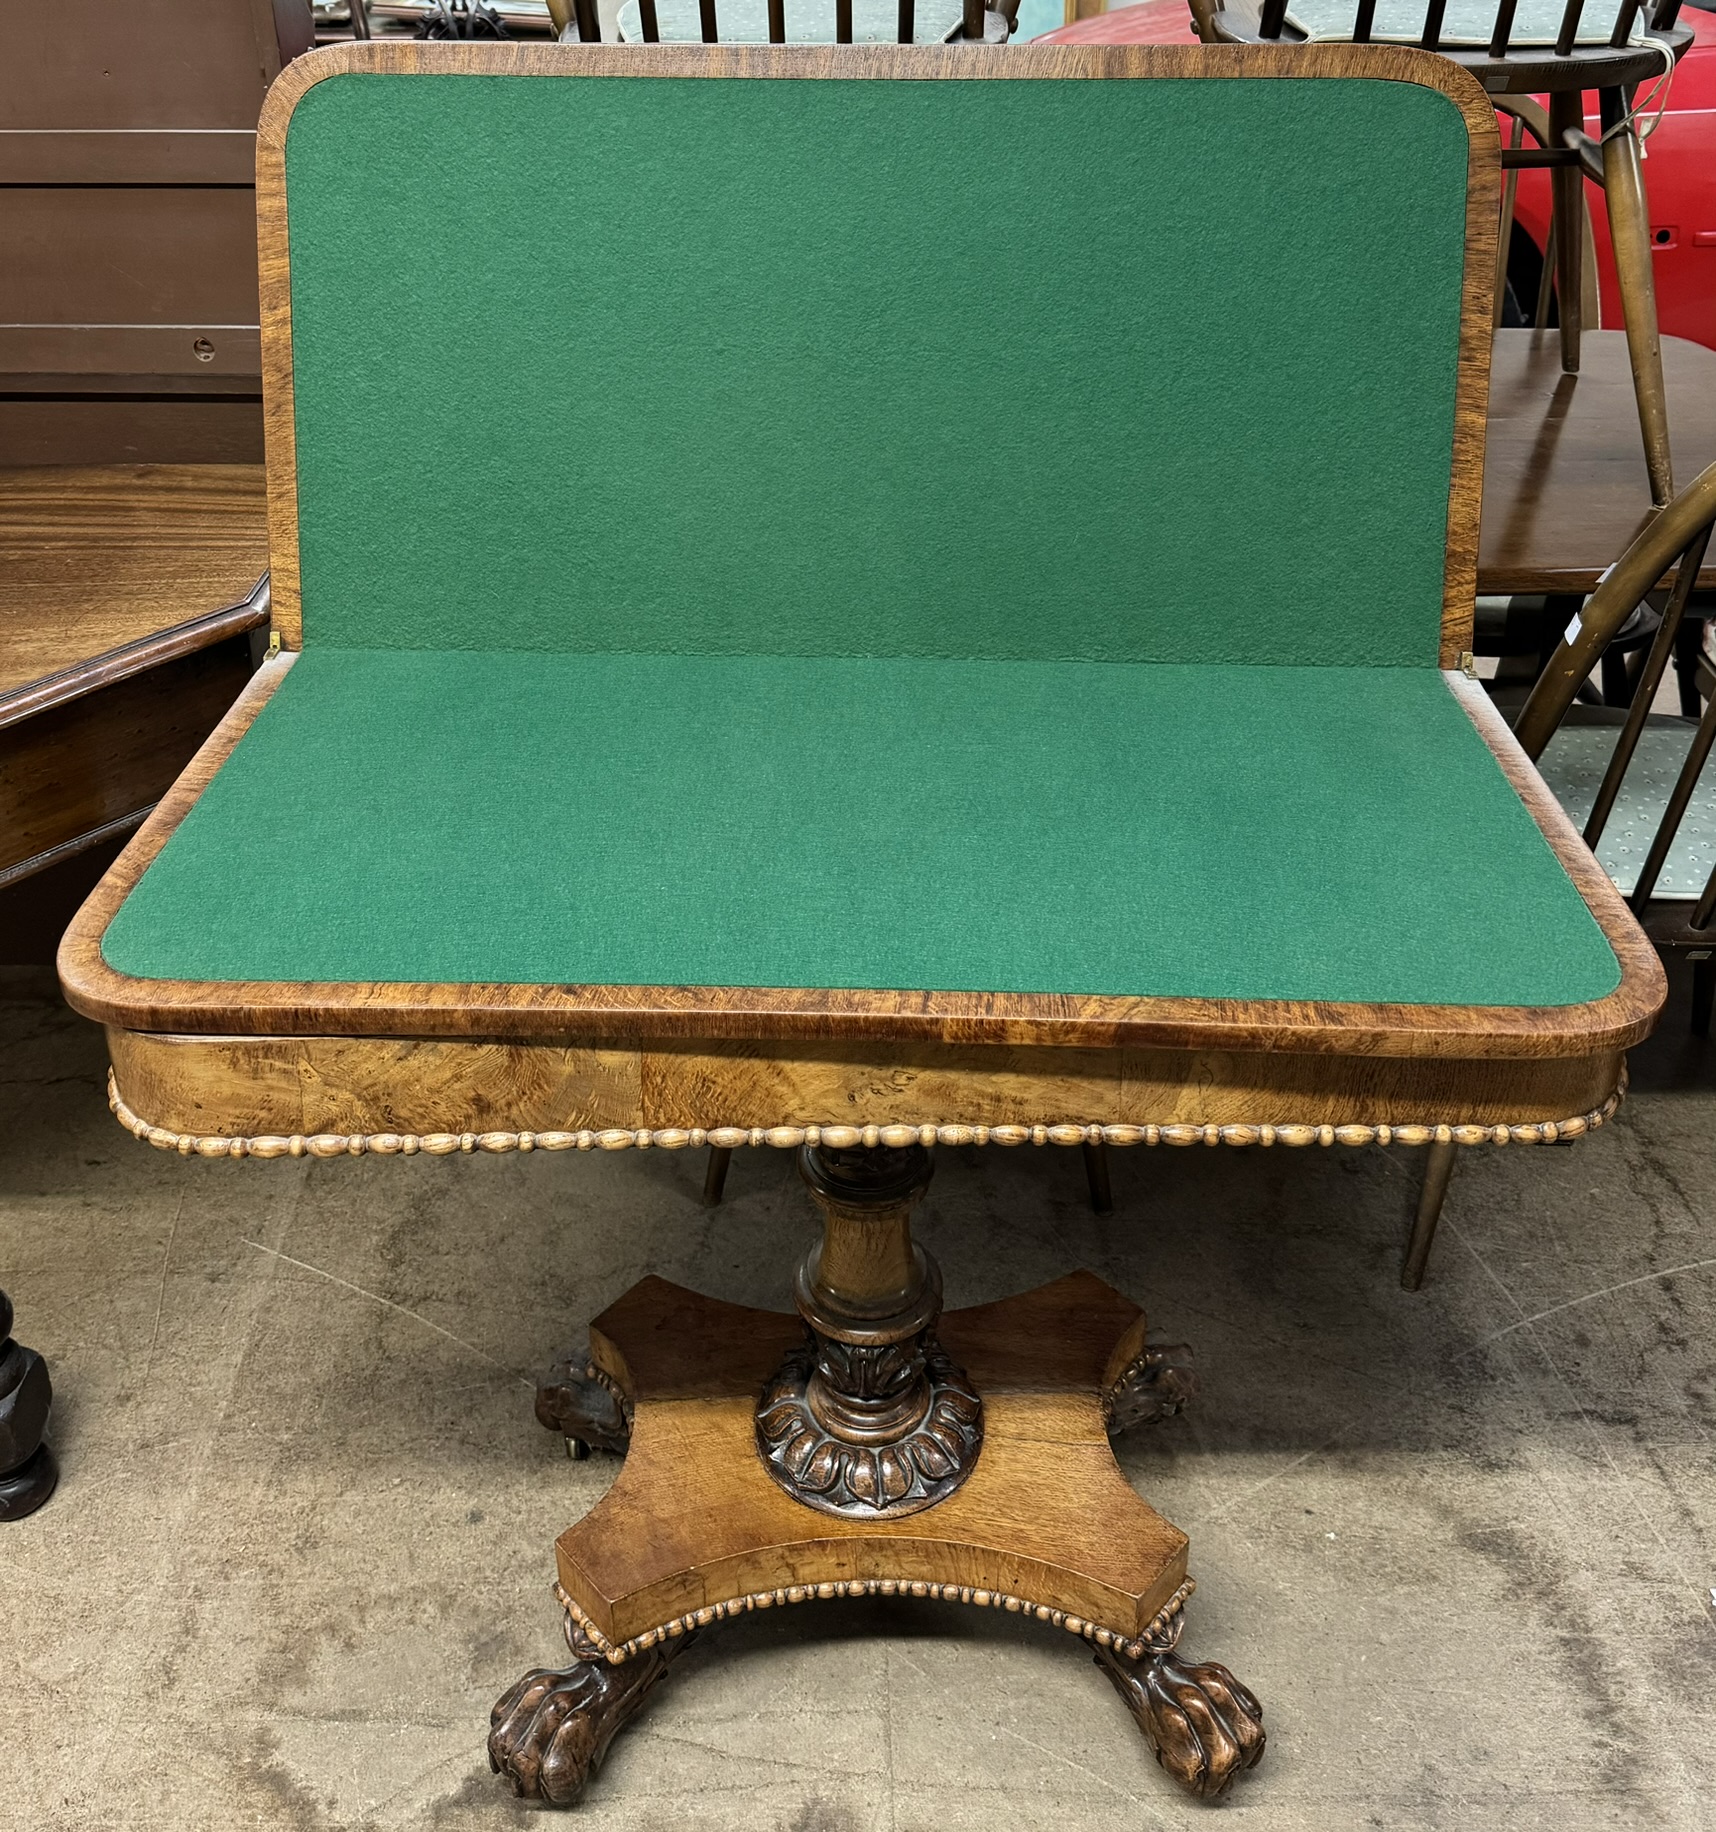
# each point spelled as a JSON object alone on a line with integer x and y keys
{"x": 1461, "y": 1544}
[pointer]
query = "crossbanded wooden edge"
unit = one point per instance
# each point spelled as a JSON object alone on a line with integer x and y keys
{"x": 790, "y": 1138}
{"x": 587, "y": 1642}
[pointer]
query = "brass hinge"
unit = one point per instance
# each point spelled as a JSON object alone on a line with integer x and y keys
{"x": 273, "y": 645}
{"x": 1468, "y": 666}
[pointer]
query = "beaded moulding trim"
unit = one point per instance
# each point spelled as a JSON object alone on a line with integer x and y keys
{"x": 588, "y": 1643}
{"x": 841, "y": 1138}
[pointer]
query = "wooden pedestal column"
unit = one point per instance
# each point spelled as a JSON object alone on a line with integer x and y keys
{"x": 894, "y": 1451}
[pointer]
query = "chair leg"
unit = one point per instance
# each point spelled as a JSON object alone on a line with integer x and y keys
{"x": 1688, "y": 643}
{"x": 1629, "y": 236}
{"x": 1437, "y": 1170}
{"x": 1703, "y": 994}
{"x": 1096, "y": 1175}
{"x": 715, "y": 1177}
{"x": 1566, "y": 111}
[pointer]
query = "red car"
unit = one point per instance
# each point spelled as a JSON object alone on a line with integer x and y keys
{"x": 1680, "y": 174}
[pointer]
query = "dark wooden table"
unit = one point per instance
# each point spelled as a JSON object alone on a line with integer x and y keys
{"x": 126, "y": 612}
{"x": 1564, "y": 492}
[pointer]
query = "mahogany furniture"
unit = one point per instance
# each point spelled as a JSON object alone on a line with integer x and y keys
{"x": 715, "y": 769}
{"x": 1677, "y": 542}
{"x": 1563, "y": 70}
{"x": 130, "y": 606}
{"x": 28, "y": 1472}
{"x": 128, "y": 327}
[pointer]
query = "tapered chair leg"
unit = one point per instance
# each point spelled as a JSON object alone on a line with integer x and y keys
{"x": 1437, "y": 1171}
{"x": 1566, "y": 113}
{"x": 715, "y": 1176}
{"x": 1096, "y": 1175}
{"x": 1629, "y": 236}
{"x": 1703, "y": 994}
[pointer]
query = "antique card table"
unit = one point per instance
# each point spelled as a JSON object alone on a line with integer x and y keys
{"x": 676, "y": 741}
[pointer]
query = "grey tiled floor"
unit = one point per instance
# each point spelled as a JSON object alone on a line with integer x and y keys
{"x": 1461, "y": 1544}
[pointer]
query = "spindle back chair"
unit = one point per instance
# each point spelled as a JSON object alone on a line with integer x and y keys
{"x": 577, "y": 22}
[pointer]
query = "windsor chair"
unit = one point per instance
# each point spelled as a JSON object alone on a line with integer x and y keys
{"x": 812, "y": 22}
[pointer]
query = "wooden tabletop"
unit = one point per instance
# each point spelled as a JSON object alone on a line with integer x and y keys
{"x": 93, "y": 558}
{"x": 1564, "y": 475}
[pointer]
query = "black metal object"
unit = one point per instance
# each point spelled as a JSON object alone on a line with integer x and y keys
{"x": 465, "y": 19}
{"x": 28, "y": 1471}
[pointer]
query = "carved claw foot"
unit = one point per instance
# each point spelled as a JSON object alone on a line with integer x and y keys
{"x": 1202, "y": 1723}
{"x": 580, "y": 1402}
{"x": 1156, "y": 1386}
{"x": 549, "y": 1733}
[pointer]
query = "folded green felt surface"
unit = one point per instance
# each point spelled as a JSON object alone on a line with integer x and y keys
{"x": 1119, "y": 370}
{"x": 1223, "y": 831}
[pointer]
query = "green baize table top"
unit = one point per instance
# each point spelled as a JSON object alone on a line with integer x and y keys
{"x": 880, "y": 566}
{"x": 1066, "y": 827}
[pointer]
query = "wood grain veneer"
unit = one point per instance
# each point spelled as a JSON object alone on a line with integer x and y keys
{"x": 257, "y": 1087}
{"x": 97, "y": 557}
{"x": 1046, "y": 1517}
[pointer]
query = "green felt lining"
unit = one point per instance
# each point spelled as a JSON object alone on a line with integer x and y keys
{"x": 1219, "y": 831}
{"x": 1119, "y": 370}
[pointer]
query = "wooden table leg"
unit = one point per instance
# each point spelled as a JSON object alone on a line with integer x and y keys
{"x": 1629, "y": 236}
{"x": 894, "y": 1451}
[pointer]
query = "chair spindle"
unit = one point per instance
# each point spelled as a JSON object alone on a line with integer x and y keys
{"x": 648, "y": 20}
{"x": 1687, "y": 781}
{"x": 1365, "y": 21}
{"x": 843, "y": 22}
{"x": 1656, "y": 664}
{"x": 589, "y": 26}
{"x": 1705, "y": 908}
{"x": 1503, "y": 34}
{"x": 908, "y": 22}
{"x": 1269, "y": 20}
{"x": 1564, "y": 39}
{"x": 1664, "y": 17}
{"x": 972, "y": 25}
{"x": 1624, "y": 23}
{"x": 1432, "y": 38}
{"x": 777, "y": 22}
{"x": 706, "y": 16}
